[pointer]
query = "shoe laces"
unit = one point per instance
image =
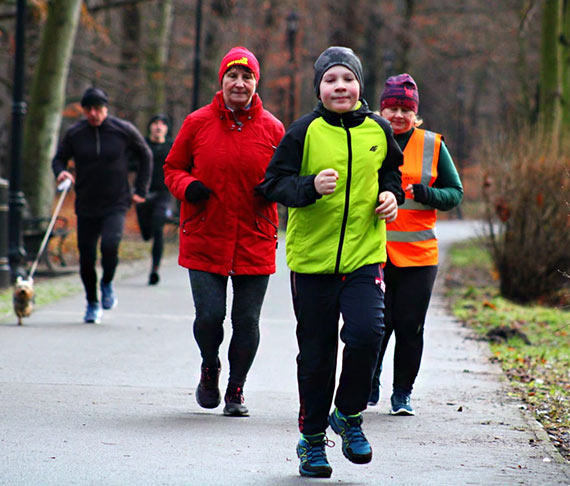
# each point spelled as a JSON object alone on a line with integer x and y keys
{"x": 403, "y": 398}
{"x": 353, "y": 432}
{"x": 235, "y": 395}
{"x": 314, "y": 452}
{"x": 209, "y": 376}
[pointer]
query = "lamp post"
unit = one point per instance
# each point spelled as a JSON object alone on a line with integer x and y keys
{"x": 195, "y": 94}
{"x": 292, "y": 29}
{"x": 16, "y": 201}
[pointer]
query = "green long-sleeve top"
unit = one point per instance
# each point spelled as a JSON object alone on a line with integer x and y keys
{"x": 447, "y": 190}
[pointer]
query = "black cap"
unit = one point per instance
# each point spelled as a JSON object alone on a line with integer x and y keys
{"x": 334, "y": 56}
{"x": 94, "y": 97}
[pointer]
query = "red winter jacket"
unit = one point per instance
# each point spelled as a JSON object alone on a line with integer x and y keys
{"x": 234, "y": 231}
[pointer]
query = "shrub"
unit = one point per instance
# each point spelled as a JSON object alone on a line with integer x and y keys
{"x": 526, "y": 192}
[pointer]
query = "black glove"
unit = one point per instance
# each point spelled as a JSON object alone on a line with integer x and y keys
{"x": 197, "y": 191}
{"x": 420, "y": 193}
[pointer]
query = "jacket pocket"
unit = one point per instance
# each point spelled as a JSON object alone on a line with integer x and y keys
{"x": 195, "y": 220}
{"x": 266, "y": 222}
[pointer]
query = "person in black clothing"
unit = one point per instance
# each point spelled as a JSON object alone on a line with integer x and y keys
{"x": 155, "y": 211}
{"x": 98, "y": 146}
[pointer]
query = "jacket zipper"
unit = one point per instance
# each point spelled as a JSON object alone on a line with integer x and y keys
{"x": 236, "y": 119}
{"x": 97, "y": 142}
{"x": 346, "y": 199}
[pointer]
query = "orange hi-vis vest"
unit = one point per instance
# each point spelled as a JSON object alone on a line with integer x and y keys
{"x": 411, "y": 237}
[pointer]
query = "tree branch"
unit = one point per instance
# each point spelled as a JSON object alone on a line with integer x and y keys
{"x": 93, "y": 8}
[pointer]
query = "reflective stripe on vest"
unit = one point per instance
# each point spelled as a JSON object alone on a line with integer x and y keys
{"x": 411, "y": 238}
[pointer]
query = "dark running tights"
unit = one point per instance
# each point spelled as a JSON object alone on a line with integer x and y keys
{"x": 408, "y": 292}
{"x": 209, "y": 293}
{"x": 89, "y": 229}
{"x": 152, "y": 216}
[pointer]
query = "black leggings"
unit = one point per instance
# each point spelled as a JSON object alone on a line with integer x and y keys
{"x": 152, "y": 215}
{"x": 209, "y": 293}
{"x": 408, "y": 292}
{"x": 89, "y": 229}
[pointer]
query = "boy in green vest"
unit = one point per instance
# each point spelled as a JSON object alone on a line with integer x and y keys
{"x": 337, "y": 171}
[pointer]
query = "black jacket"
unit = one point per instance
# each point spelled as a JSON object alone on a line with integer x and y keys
{"x": 101, "y": 162}
{"x": 159, "y": 153}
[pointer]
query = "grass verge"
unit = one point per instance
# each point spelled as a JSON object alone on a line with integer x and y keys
{"x": 531, "y": 342}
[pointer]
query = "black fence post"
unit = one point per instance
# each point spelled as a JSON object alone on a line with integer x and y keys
{"x": 5, "y": 278}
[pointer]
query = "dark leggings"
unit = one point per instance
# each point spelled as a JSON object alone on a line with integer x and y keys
{"x": 408, "y": 292}
{"x": 209, "y": 293}
{"x": 89, "y": 229}
{"x": 152, "y": 216}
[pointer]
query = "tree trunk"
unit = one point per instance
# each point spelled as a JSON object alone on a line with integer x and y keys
{"x": 405, "y": 39}
{"x": 41, "y": 130}
{"x": 566, "y": 68}
{"x": 372, "y": 56}
{"x": 550, "y": 67}
{"x": 157, "y": 59}
{"x": 214, "y": 20}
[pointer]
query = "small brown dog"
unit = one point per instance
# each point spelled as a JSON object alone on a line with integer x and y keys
{"x": 23, "y": 298}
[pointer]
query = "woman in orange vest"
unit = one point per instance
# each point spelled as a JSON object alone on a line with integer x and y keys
{"x": 431, "y": 182}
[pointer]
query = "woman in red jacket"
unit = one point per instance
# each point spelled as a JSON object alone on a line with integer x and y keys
{"x": 218, "y": 157}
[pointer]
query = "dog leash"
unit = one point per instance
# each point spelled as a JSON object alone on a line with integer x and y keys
{"x": 63, "y": 187}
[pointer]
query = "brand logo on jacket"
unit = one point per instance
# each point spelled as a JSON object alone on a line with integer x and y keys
{"x": 373, "y": 148}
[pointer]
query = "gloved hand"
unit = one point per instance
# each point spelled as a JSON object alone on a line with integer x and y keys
{"x": 196, "y": 191}
{"x": 420, "y": 193}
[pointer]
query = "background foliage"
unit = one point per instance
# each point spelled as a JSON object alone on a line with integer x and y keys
{"x": 476, "y": 62}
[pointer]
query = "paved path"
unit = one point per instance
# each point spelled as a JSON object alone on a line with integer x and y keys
{"x": 113, "y": 404}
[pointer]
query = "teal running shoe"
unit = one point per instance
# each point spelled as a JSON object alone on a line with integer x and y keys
{"x": 311, "y": 452}
{"x": 355, "y": 447}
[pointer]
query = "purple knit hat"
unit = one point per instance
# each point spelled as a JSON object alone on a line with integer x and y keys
{"x": 400, "y": 90}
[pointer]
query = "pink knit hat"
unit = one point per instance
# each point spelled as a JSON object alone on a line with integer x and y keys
{"x": 239, "y": 56}
{"x": 400, "y": 90}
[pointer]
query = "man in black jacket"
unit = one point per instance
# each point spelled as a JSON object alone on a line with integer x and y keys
{"x": 99, "y": 146}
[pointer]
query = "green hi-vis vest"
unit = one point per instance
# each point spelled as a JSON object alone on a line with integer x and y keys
{"x": 340, "y": 232}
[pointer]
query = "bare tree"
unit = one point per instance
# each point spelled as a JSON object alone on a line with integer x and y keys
{"x": 46, "y": 103}
{"x": 550, "y": 66}
{"x": 157, "y": 57}
{"x": 566, "y": 68}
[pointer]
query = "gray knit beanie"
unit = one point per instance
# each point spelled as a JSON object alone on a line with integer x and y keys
{"x": 336, "y": 55}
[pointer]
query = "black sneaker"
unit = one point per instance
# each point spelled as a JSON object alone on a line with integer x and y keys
{"x": 311, "y": 453}
{"x": 153, "y": 278}
{"x": 208, "y": 393}
{"x": 235, "y": 402}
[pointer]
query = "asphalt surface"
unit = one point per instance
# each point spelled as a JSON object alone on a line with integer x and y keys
{"x": 113, "y": 404}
